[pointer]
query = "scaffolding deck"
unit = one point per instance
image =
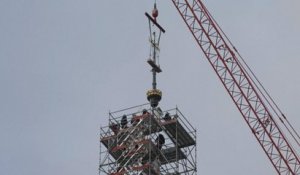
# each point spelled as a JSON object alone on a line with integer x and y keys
{"x": 184, "y": 139}
{"x": 170, "y": 154}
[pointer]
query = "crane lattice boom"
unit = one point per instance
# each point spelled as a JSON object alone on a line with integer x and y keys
{"x": 239, "y": 86}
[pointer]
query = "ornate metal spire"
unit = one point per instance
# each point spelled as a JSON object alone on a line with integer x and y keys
{"x": 154, "y": 95}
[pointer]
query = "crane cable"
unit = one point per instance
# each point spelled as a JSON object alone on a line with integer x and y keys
{"x": 262, "y": 92}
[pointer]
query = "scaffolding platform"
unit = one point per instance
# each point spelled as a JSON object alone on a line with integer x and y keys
{"x": 135, "y": 147}
{"x": 178, "y": 133}
{"x": 171, "y": 155}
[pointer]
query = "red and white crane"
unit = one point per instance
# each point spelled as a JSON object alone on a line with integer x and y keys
{"x": 257, "y": 107}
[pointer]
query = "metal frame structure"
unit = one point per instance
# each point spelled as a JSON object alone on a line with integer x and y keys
{"x": 239, "y": 85}
{"x": 132, "y": 149}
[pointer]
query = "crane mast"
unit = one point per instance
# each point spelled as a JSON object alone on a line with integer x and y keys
{"x": 238, "y": 84}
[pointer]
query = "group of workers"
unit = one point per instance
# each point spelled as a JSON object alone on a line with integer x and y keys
{"x": 134, "y": 120}
{"x": 160, "y": 139}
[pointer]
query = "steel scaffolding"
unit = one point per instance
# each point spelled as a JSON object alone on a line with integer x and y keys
{"x": 130, "y": 144}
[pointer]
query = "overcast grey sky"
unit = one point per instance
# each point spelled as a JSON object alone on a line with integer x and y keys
{"x": 64, "y": 64}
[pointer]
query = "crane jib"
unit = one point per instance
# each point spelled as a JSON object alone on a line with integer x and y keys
{"x": 239, "y": 86}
